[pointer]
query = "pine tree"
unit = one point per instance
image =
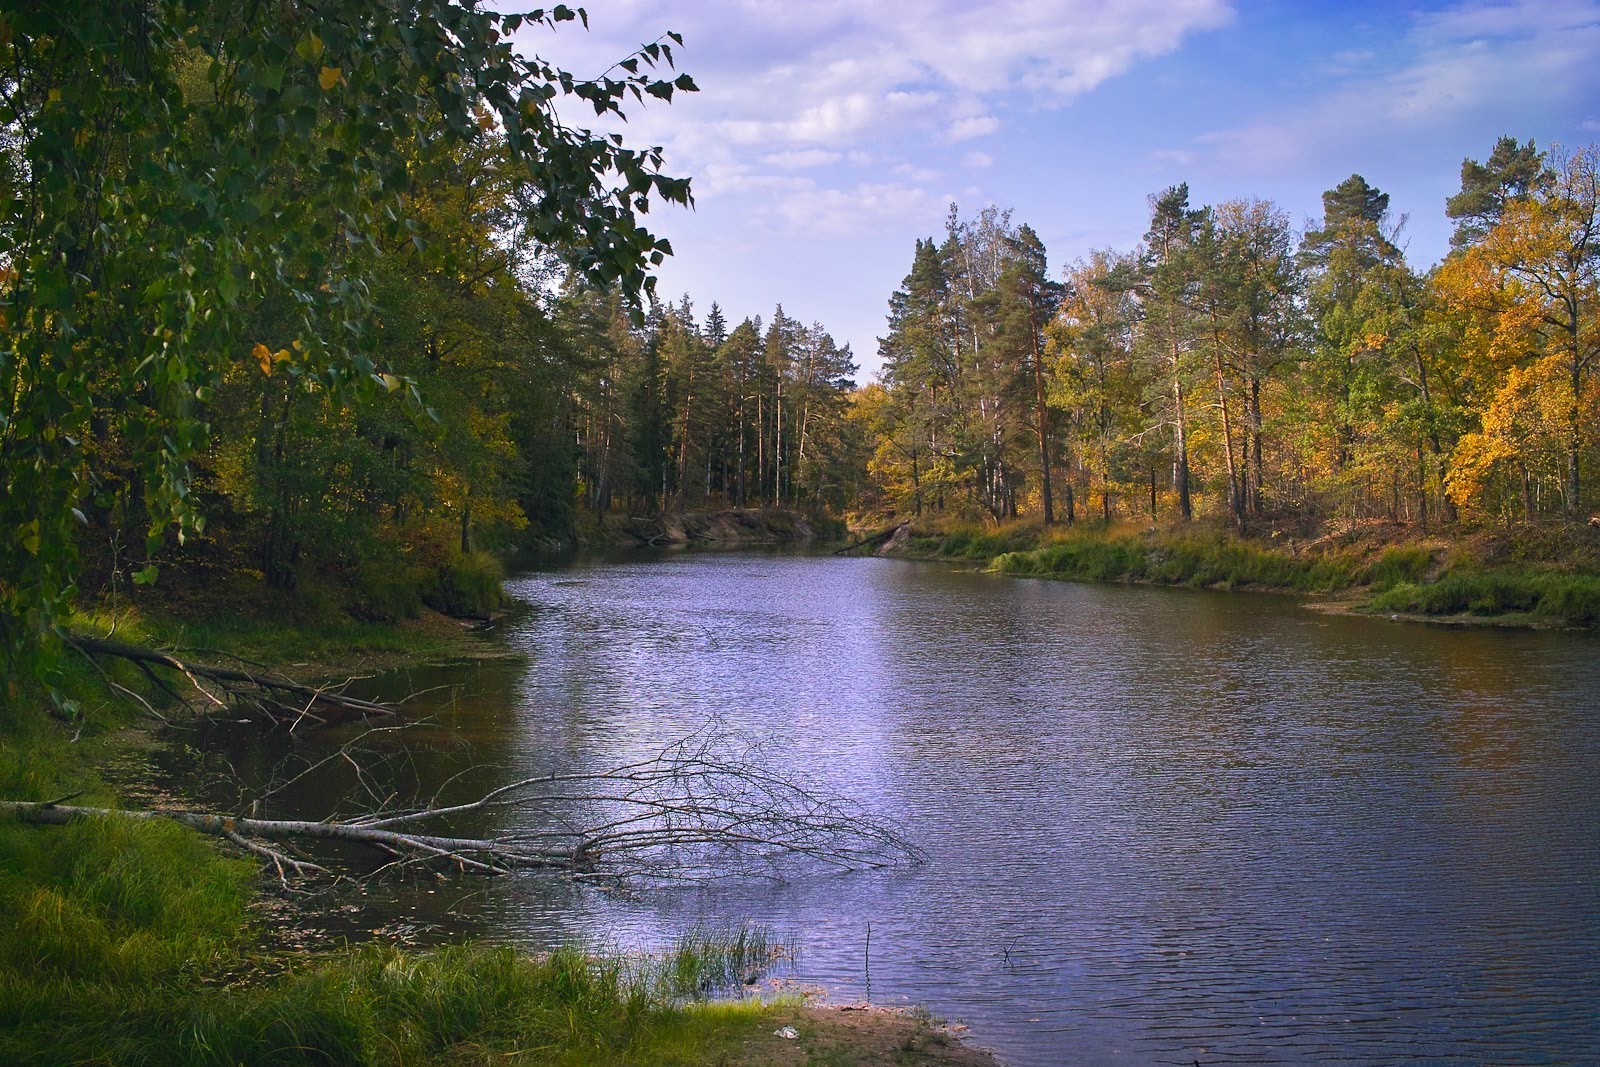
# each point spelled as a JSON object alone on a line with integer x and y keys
{"x": 1513, "y": 171}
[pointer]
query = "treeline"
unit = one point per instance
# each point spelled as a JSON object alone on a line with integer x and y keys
{"x": 336, "y": 295}
{"x": 1230, "y": 365}
{"x": 524, "y": 402}
{"x": 679, "y": 413}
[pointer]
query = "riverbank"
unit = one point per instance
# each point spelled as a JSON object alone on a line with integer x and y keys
{"x": 143, "y": 943}
{"x": 1541, "y": 576}
{"x": 715, "y": 528}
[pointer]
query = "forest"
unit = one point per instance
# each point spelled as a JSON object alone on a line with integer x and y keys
{"x": 385, "y": 343}
{"x": 1234, "y": 366}
{"x": 315, "y": 312}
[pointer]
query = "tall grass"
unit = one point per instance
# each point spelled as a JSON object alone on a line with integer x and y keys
{"x": 381, "y": 1005}
{"x": 1194, "y": 559}
{"x": 128, "y": 944}
{"x": 1541, "y": 595}
{"x": 132, "y": 943}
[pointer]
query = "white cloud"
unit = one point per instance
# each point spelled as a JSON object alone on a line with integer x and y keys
{"x": 1458, "y": 67}
{"x": 975, "y": 126}
{"x": 913, "y": 172}
{"x": 799, "y": 102}
{"x": 864, "y": 208}
{"x": 835, "y": 74}
{"x": 802, "y": 158}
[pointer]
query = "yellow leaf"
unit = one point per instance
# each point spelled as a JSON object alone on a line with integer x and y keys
{"x": 281, "y": 356}
{"x": 330, "y": 77}
{"x": 263, "y": 356}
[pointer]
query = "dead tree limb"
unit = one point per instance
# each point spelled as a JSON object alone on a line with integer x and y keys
{"x": 872, "y": 541}
{"x": 700, "y": 809}
{"x": 275, "y": 687}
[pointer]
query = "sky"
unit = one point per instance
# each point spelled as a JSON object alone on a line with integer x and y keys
{"x": 828, "y": 136}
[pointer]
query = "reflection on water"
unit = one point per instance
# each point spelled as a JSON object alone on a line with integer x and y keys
{"x": 1162, "y": 826}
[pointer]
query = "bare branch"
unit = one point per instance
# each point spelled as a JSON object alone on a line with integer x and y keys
{"x": 703, "y": 808}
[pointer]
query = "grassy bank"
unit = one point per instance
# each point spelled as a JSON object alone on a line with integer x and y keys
{"x": 1546, "y": 576}
{"x": 723, "y": 527}
{"x": 132, "y": 943}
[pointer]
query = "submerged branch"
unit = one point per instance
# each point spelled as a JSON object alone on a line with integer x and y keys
{"x": 270, "y": 691}
{"x": 700, "y": 809}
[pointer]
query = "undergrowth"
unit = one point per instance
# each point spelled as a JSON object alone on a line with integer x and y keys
{"x": 1547, "y": 595}
{"x": 1518, "y": 577}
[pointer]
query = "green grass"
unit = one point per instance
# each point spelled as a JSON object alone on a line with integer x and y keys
{"x": 129, "y": 943}
{"x": 132, "y": 943}
{"x": 277, "y": 640}
{"x": 1541, "y": 594}
{"x": 1197, "y": 559}
{"x": 1398, "y": 565}
{"x": 382, "y": 1005}
{"x": 1408, "y": 578}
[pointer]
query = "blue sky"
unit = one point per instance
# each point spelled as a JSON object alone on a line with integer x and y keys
{"x": 829, "y": 136}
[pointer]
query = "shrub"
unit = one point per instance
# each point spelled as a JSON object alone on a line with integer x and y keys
{"x": 1399, "y": 565}
{"x": 466, "y": 584}
{"x": 1571, "y": 598}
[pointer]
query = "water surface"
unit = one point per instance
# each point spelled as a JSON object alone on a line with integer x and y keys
{"x": 1162, "y": 826}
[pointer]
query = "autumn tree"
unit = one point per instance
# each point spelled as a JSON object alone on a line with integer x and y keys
{"x": 185, "y": 160}
{"x": 1094, "y": 380}
{"x": 1539, "y": 267}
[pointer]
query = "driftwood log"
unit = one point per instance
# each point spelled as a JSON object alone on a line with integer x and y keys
{"x": 871, "y": 542}
{"x": 700, "y": 809}
{"x": 282, "y": 697}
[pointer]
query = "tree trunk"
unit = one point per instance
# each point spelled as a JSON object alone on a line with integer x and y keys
{"x": 1255, "y": 433}
{"x": 1043, "y": 413}
{"x": 1180, "y": 464}
{"x": 1235, "y": 494}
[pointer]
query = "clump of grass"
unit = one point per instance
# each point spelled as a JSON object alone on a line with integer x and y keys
{"x": 382, "y": 1005}
{"x": 128, "y": 943}
{"x": 981, "y": 544}
{"x": 707, "y": 959}
{"x": 1571, "y": 598}
{"x": 1091, "y": 559}
{"x": 1553, "y": 596}
{"x": 1399, "y": 565}
{"x": 1191, "y": 559}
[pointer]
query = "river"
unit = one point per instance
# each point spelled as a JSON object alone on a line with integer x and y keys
{"x": 1161, "y": 826}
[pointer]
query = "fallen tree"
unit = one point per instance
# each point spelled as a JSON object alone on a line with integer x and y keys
{"x": 283, "y": 699}
{"x": 700, "y": 809}
{"x": 871, "y": 541}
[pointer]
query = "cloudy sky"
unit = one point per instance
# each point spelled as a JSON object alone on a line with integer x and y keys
{"x": 828, "y": 136}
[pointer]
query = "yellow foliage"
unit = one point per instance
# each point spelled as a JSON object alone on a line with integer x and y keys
{"x": 1527, "y": 426}
{"x": 268, "y": 358}
{"x": 330, "y": 77}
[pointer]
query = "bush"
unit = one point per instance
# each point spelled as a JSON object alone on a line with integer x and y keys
{"x": 1572, "y": 599}
{"x": 384, "y": 592}
{"x": 1399, "y": 565}
{"x": 466, "y": 584}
